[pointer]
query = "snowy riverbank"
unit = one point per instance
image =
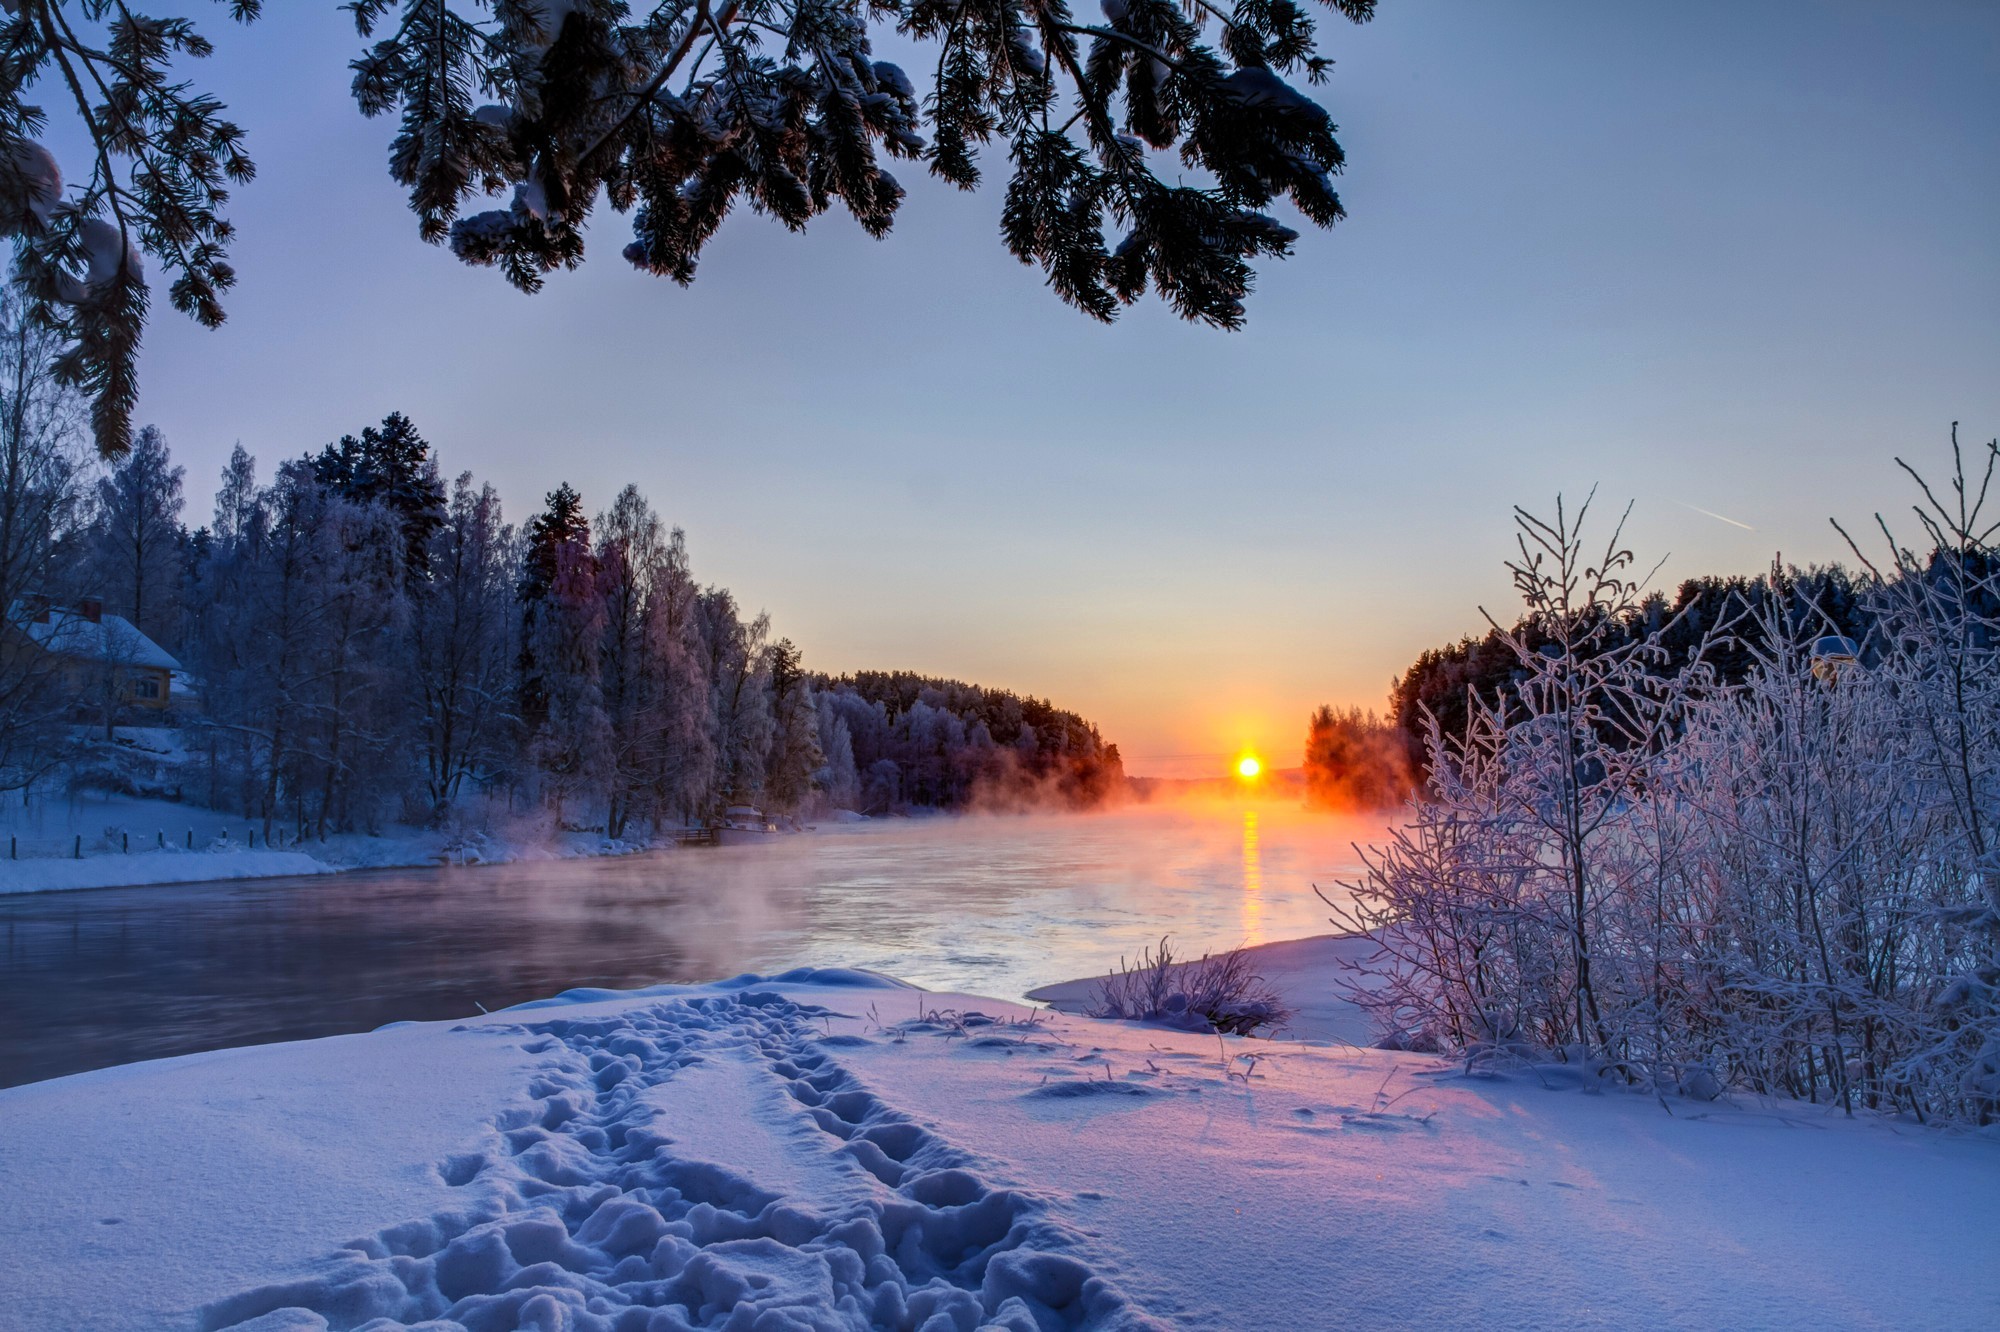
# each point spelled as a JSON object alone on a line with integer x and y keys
{"x": 129, "y": 842}
{"x": 857, "y": 1153}
{"x": 1304, "y": 972}
{"x": 159, "y": 868}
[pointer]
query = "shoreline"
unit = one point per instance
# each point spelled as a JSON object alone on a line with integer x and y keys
{"x": 175, "y": 868}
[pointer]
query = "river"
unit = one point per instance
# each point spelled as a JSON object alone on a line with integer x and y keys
{"x": 990, "y": 905}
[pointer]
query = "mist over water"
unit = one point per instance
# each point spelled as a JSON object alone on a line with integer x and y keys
{"x": 990, "y": 905}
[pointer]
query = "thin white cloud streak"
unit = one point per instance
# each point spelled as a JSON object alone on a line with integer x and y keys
{"x": 1710, "y": 513}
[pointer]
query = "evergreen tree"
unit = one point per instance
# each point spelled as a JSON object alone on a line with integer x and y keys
{"x": 1354, "y": 760}
{"x": 559, "y": 527}
{"x": 837, "y": 779}
{"x": 676, "y": 116}
{"x": 393, "y": 467}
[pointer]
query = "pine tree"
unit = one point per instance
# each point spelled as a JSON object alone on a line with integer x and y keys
{"x": 676, "y": 113}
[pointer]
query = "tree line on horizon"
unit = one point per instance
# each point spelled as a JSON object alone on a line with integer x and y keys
{"x": 1357, "y": 758}
{"x": 367, "y": 643}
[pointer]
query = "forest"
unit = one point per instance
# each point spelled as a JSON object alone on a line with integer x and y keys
{"x": 362, "y": 642}
{"x": 1358, "y": 758}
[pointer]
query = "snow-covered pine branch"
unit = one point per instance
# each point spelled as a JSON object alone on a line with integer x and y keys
{"x": 675, "y": 111}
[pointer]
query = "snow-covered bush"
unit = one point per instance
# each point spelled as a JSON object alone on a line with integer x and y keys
{"x": 1219, "y": 992}
{"x": 1788, "y": 883}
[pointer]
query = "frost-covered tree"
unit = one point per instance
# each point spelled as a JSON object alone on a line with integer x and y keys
{"x": 549, "y": 533}
{"x": 1145, "y": 146}
{"x": 391, "y": 466}
{"x": 795, "y": 756}
{"x": 1657, "y": 872}
{"x": 356, "y": 698}
{"x": 953, "y": 744}
{"x": 682, "y": 756}
{"x": 570, "y": 743}
{"x": 631, "y": 547}
{"x": 838, "y": 780}
{"x": 41, "y": 496}
{"x": 462, "y": 624}
{"x": 135, "y": 540}
{"x": 300, "y": 652}
{"x": 738, "y": 670}
{"x": 236, "y": 500}
{"x": 1940, "y": 642}
{"x": 1354, "y": 760}
{"x": 561, "y": 692}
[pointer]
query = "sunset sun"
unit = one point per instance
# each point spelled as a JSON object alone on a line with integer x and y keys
{"x": 1248, "y": 766}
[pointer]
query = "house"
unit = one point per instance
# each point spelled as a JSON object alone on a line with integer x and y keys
{"x": 87, "y": 643}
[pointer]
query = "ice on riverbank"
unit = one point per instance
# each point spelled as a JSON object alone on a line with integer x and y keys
{"x": 832, "y": 1150}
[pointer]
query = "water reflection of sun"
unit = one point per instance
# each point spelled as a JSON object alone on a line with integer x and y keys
{"x": 1253, "y": 879}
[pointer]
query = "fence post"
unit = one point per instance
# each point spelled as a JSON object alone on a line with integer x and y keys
{"x": 128, "y": 843}
{"x": 77, "y": 853}
{"x": 190, "y": 839}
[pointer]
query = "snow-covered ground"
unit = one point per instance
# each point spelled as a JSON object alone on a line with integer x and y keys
{"x": 835, "y": 1150}
{"x": 47, "y": 874}
{"x": 1304, "y": 972}
{"x": 132, "y": 841}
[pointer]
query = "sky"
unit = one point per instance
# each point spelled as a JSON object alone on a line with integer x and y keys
{"x": 1716, "y": 257}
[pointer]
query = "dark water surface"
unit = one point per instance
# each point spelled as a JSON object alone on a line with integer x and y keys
{"x": 994, "y": 906}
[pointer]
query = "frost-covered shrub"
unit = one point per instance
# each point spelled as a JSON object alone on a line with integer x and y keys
{"x": 1215, "y": 992}
{"x": 1790, "y": 883}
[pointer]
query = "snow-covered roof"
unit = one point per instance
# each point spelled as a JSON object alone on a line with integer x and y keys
{"x": 111, "y": 638}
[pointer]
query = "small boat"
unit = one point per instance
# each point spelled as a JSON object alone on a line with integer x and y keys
{"x": 743, "y": 825}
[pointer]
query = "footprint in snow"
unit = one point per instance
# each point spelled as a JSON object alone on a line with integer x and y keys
{"x": 580, "y": 1215}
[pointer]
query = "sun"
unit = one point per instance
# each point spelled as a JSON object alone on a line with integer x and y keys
{"x": 1248, "y": 766}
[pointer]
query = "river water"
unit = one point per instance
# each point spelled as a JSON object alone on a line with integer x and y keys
{"x": 994, "y": 906}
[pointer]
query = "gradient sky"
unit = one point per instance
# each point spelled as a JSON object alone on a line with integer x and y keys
{"x": 1714, "y": 256}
